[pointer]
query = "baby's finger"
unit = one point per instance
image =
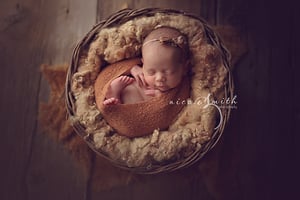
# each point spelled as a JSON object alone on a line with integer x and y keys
{"x": 139, "y": 80}
{"x": 144, "y": 81}
{"x": 150, "y": 92}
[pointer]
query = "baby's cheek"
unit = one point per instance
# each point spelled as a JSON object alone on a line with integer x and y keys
{"x": 149, "y": 80}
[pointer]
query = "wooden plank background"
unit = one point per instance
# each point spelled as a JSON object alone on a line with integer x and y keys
{"x": 256, "y": 158}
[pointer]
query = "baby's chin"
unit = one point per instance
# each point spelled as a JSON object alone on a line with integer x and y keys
{"x": 163, "y": 88}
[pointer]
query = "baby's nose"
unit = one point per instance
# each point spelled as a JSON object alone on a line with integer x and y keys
{"x": 160, "y": 77}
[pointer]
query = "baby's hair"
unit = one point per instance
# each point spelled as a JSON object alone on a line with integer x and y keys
{"x": 171, "y": 37}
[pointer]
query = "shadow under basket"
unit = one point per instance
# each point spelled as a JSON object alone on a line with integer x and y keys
{"x": 223, "y": 87}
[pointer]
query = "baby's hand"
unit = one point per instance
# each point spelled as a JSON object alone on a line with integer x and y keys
{"x": 138, "y": 75}
{"x": 152, "y": 92}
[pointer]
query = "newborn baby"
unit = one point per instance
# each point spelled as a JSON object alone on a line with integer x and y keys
{"x": 165, "y": 63}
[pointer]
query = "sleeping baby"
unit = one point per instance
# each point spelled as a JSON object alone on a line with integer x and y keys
{"x": 165, "y": 63}
{"x": 125, "y": 92}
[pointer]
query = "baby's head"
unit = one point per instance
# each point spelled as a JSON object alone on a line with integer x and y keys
{"x": 165, "y": 58}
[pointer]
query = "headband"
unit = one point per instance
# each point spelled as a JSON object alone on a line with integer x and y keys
{"x": 179, "y": 41}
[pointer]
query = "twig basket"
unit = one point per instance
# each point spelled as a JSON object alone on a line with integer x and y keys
{"x": 120, "y": 18}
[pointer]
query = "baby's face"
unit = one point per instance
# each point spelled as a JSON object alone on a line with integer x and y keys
{"x": 162, "y": 67}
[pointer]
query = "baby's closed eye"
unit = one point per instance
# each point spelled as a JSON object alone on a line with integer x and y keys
{"x": 150, "y": 72}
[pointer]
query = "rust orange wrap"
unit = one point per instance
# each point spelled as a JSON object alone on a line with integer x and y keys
{"x": 142, "y": 118}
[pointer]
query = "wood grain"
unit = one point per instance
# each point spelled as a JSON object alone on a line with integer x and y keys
{"x": 256, "y": 158}
{"x": 52, "y": 173}
{"x": 32, "y": 33}
{"x": 18, "y": 95}
{"x": 106, "y": 8}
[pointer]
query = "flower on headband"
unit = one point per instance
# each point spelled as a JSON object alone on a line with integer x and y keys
{"x": 176, "y": 42}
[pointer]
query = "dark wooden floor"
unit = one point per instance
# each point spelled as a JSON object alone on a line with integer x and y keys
{"x": 257, "y": 156}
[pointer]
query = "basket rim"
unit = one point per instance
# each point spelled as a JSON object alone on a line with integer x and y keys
{"x": 121, "y": 17}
